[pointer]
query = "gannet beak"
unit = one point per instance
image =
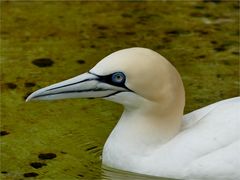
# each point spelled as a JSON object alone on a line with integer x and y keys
{"x": 87, "y": 85}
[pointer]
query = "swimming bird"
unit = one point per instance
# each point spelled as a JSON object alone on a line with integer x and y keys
{"x": 153, "y": 136}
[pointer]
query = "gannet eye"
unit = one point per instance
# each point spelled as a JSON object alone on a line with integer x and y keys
{"x": 118, "y": 77}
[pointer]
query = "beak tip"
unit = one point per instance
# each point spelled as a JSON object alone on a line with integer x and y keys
{"x": 30, "y": 97}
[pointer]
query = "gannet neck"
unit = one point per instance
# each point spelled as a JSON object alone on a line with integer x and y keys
{"x": 140, "y": 131}
{"x": 150, "y": 125}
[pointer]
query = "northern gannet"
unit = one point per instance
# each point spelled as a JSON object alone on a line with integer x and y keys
{"x": 153, "y": 136}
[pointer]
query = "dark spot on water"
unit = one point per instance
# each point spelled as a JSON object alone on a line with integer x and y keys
{"x": 63, "y": 152}
{"x": 172, "y": 32}
{"x": 80, "y": 175}
{"x": 47, "y": 156}
{"x": 202, "y": 31}
{"x": 4, "y": 172}
{"x": 84, "y": 108}
{"x": 126, "y": 15}
{"x": 141, "y": 22}
{"x": 80, "y": 61}
{"x": 93, "y": 147}
{"x": 43, "y": 62}
{"x": 31, "y": 174}
{"x": 214, "y": 42}
{"x": 60, "y": 17}
{"x": 90, "y": 98}
{"x": 26, "y": 95}
{"x": 93, "y": 46}
{"x": 147, "y": 16}
{"x": 218, "y": 75}
{"x": 201, "y": 56}
{"x": 130, "y": 33}
{"x": 18, "y": 19}
{"x": 196, "y": 14}
{"x": 4, "y": 133}
{"x": 176, "y": 32}
{"x": 37, "y": 165}
{"x": 236, "y": 5}
{"x": 52, "y": 34}
{"x": 102, "y": 36}
{"x": 29, "y": 84}
{"x": 11, "y": 85}
{"x": 208, "y": 15}
{"x": 199, "y": 7}
{"x": 220, "y": 48}
{"x": 236, "y": 53}
{"x": 4, "y": 32}
{"x": 102, "y": 27}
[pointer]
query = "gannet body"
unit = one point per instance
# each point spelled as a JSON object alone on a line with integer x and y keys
{"x": 153, "y": 136}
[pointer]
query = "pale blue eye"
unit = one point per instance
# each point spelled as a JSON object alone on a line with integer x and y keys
{"x": 118, "y": 77}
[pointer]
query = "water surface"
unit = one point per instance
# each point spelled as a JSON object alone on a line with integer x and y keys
{"x": 47, "y": 42}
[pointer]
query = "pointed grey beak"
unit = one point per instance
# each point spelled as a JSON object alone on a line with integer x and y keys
{"x": 86, "y": 85}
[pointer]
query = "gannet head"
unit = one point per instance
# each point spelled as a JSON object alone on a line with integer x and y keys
{"x": 130, "y": 77}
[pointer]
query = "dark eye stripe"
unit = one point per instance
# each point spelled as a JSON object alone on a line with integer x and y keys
{"x": 108, "y": 79}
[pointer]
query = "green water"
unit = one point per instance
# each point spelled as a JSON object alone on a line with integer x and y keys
{"x": 199, "y": 38}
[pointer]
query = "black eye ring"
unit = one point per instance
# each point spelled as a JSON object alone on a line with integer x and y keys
{"x": 118, "y": 77}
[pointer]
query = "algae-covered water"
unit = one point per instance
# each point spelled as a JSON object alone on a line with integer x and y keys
{"x": 43, "y": 42}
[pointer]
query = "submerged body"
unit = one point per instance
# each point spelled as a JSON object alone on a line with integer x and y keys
{"x": 152, "y": 136}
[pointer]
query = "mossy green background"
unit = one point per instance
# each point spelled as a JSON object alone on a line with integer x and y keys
{"x": 200, "y": 38}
